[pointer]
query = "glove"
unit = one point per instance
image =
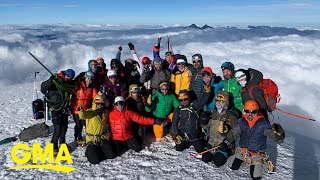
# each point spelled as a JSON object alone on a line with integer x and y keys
{"x": 158, "y": 121}
{"x": 157, "y": 46}
{"x": 224, "y": 145}
{"x": 207, "y": 88}
{"x": 120, "y": 48}
{"x": 222, "y": 128}
{"x": 80, "y": 108}
{"x": 131, "y": 46}
{"x": 178, "y": 139}
{"x": 149, "y": 101}
{"x": 277, "y": 128}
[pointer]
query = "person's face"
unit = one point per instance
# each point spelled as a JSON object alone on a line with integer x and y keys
{"x": 135, "y": 95}
{"x": 99, "y": 106}
{"x": 181, "y": 66}
{"x": 120, "y": 106}
{"x": 68, "y": 78}
{"x": 157, "y": 66}
{"x": 88, "y": 81}
{"x": 196, "y": 64}
{"x": 168, "y": 59}
{"x": 250, "y": 115}
{"x": 94, "y": 67}
{"x": 227, "y": 74}
{"x": 206, "y": 78}
{"x": 129, "y": 64}
{"x": 184, "y": 101}
{"x": 113, "y": 78}
{"x": 164, "y": 89}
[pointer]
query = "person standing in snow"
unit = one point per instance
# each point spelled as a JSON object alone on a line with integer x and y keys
{"x": 186, "y": 122}
{"x": 169, "y": 62}
{"x": 120, "y": 122}
{"x": 253, "y": 131}
{"x": 231, "y": 85}
{"x": 224, "y": 118}
{"x": 196, "y": 78}
{"x": 181, "y": 77}
{"x": 98, "y": 136}
{"x": 57, "y": 90}
{"x": 249, "y": 81}
{"x": 83, "y": 97}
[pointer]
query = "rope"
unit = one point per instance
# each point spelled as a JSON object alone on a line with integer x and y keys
{"x": 295, "y": 115}
{"x": 212, "y": 149}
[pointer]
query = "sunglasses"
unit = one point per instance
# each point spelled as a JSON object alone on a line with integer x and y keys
{"x": 99, "y": 104}
{"x": 113, "y": 77}
{"x": 185, "y": 99}
{"x": 119, "y": 103}
{"x": 164, "y": 89}
{"x": 135, "y": 92}
{"x": 89, "y": 78}
{"x": 94, "y": 65}
{"x": 196, "y": 61}
{"x": 157, "y": 63}
{"x": 204, "y": 74}
{"x": 251, "y": 111}
{"x": 181, "y": 64}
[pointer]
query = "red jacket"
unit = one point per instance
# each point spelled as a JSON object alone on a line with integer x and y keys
{"x": 83, "y": 97}
{"x": 120, "y": 123}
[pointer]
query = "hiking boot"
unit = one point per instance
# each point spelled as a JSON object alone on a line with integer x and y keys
{"x": 55, "y": 149}
{"x": 81, "y": 143}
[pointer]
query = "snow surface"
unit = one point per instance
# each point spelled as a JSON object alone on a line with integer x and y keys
{"x": 289, "y": 56}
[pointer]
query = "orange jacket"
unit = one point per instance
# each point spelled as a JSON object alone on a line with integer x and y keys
{"x": 83, "y": 97}
{"x": 120, "y": 123}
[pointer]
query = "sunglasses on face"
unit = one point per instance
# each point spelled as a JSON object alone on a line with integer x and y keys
{"x": 251, "y": 111}
{"x": 113, "y": 77}
{"x": 135, "y": 92}
{"x": 99, "y": 104}
{"x": 204, "y": 74}
{"x": 164, "y": 89}
{"x": 196, "y": 61}
{"x": 119, "y": 103}
{"x": 94, "y": 65}
{"x": 180, "y": 64}
{"x": 185, "y": 99}
{"x": 157, "y": 63}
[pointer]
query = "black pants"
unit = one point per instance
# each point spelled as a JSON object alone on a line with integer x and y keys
{"x": 60, "y": 125}
{"x": 78, "y": 127}
{"x": 218, "y": 157}
{"x": 97, "y": 153}
{"x": 198, "y": 145}
{"x": 122, "y": 146}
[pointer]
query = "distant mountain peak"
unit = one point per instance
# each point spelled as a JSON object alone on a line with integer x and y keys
{"x": 197, "y": 27}
{"x": 206, "y": 26}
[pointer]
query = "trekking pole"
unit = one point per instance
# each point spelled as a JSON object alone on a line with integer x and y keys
{"x": 34, "y": 85}
{"x": 47, "y": 109}
{"x": 40, "y": 63}
{"x": 212, "y": 149}
{"x": 295, "y": 115}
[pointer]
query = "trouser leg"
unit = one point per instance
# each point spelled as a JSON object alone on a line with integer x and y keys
{"x": 133, "y": 144}
{"x": 93, "y": 153}
{"x": 108, "y": 149}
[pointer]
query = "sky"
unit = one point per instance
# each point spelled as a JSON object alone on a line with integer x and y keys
{"x": 142, "y": 12}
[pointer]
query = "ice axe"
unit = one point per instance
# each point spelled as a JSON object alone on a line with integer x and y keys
{"x": 40, "y": 63}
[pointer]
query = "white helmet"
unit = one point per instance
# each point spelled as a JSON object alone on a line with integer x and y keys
{"x": 239, "y": 75}
{"x": 118, "y": 98}
{"x": 111, "y": 73}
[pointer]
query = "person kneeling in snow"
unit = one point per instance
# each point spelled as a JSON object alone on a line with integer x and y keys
{"x": 253, "y": 131}
{"x": 189, "y": 131}
{"x": 97, "y": 131}
{"x": 224, "y": 118}
{"x": 120, "y": 122}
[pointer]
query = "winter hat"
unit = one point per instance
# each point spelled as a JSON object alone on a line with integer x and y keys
{"x": 197, "y": 57}
{"x": 180, "y": 56}
{"x": 157, "y": 60}
{"x": 162, "y": 83}
{"x": 134, "y": 88}
{"x": 99, "y": 99}
{"x": 183, "y": 94}
{"x": 145, "y": 60}
{"x": 70, "y": 73}
{"x": 240, "y": 75}
{"x": 181, "y": 61}
{"x": 207, "y": 69}
{"x": 227, "y": 65}
{"x": 114, "y": 63}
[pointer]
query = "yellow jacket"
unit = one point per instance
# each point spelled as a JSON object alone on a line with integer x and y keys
{"x": 181, "y": 80}
{"x": 95, "y": 126}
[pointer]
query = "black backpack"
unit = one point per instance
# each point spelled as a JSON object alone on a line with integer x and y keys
{"x": 34, "y": 131}
{"x": 38, "y": 109}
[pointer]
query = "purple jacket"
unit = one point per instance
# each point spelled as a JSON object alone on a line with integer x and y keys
{"x": 110, "y": 91}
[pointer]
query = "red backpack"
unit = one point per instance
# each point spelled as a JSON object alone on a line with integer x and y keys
{"x": 270, "y": 90}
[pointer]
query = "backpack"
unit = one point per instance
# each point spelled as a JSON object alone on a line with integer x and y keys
{"x": 38, "y": 109}
{"x": 34, "y": 131}
{"x": 271, "y": 94}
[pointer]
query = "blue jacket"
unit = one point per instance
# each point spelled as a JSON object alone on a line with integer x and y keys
{"x": 218, "y": 85}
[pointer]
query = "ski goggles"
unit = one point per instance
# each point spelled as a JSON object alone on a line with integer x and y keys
{"x": 250, "y": 111}
{"x": 135, "y": 89}
{"x": 156, "y": 62}
{"x": 220, "y": 98}
{"x": 169, "y": 53}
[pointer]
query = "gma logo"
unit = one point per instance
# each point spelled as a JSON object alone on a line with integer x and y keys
{"x": 37, "y": 154}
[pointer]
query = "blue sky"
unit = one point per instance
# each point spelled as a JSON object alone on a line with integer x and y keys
{"x": 143, "y": 12}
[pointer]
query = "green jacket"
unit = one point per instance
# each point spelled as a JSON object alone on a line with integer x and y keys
{"x": 162, "y": 105}
{"x": 233, "y": 87}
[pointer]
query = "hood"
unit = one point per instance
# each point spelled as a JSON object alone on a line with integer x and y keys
{"x": 254, "y": 77}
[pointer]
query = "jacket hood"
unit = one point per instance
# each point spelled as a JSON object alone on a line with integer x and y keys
{"x": 253, "y": 77}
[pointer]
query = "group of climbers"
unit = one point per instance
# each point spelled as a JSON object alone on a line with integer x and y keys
{"x": 189, "y": 101}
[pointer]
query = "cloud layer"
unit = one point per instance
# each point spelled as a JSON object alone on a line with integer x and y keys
{"x": 289, "y": 56}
